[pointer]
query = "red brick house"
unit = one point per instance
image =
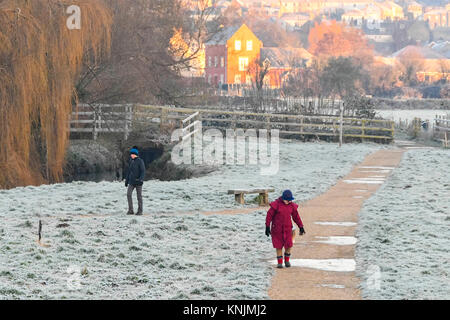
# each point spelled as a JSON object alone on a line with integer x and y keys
{"x": 231, "y": 54}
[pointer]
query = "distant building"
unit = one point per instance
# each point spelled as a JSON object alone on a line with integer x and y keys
{"x": 441, "y": 47}
{"x": 431, "y": 65}
{"x": 231, "y": 54}
{"x": 373, "y": 14}
{"x": 415, "y": 9}
{"x": 353, "y": 18}
{"x": 281, "y": 61}
{"x": 319, "y": 6}
{"x": 437, "y": 17}
{"x": 293, "y": 21}
{"x": 391, "y": 10}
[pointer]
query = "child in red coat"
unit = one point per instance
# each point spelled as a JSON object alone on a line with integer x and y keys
{"x": 280, "y": 213}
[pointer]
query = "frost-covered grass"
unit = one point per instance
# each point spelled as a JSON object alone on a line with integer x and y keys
{"x": 152, "y": 257}
{"x": 404, "y": 229}
{"x": 166, "y": 254}
{"x": 308, "y": 169}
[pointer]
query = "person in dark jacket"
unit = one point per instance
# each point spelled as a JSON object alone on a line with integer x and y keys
{"x": 281, "y": 213}
{"x": 135, "y": 180}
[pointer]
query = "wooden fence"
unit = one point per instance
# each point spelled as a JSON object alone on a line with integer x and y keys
{"x": 287, "y": 124}
{"x": 120, "y": 119}
{"x": 102, "y": 118}
{"x": 442, "y": 129}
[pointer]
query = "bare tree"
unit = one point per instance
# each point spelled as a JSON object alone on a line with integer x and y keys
{"x": 153, "y": 41}
{"x": 408, "y": 65}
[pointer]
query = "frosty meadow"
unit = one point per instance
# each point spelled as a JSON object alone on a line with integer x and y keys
{"x": 249, "y": 147}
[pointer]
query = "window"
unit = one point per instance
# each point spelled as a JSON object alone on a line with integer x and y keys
{"x": 221, "y": 78}
{"x": 267, "y": 81}
{"x": 237, "y": 45}
{"x": 209, "y": 61}
{"x": 222, "y": 62}
{"x": 243, "y": 64}
{"x": 249, "y": 45}
{"x": 209, "y": 79}
{"x": 215, "y": 61}
{"x": 237, "y": 79}
{"x": 248, "y": 79}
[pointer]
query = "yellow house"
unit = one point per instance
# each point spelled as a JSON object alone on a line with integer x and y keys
{"x": 416, "y": 9}
{"x": 229, "y": 55}
{"x": 243, "y": 48}
{"x": 391, "y": 10}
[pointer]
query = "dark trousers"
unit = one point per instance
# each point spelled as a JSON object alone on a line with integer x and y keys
{"x": 130, "y": 198}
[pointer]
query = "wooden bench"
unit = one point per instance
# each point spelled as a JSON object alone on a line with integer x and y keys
{"x": 263, "y": 195}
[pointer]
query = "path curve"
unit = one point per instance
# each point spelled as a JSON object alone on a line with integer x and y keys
{"x": 330, "y": 221}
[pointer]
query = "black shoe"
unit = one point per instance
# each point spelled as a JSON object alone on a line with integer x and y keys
{"x": 280, "y": 266}
{"x": 139, "y": 214}
{"x": 287, "y": 263}
{"x": 130, "y": 213}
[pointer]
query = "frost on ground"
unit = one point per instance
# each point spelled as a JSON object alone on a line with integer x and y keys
{"x": 308, "y": 169}
{"x": 97, "y": 252}
{"x": 404, "y": 231}
{"x": 151, "y": 257}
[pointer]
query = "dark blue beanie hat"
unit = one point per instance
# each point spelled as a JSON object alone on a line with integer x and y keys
{"x": 134, "y": 151}
{"x": 287, "y": 195}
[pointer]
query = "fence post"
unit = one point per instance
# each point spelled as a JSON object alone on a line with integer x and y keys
{"x": 301, "y": 125}
{"x": 233, "y": 121}
{"x": 393, "y": 130}
{"x": 94, "y": 132}
{"x": 363, "y": 131}
{"x": 99, "y": 118}
{"x": 163, "y": 118}
{"x": 341, "y": 126}
{"x": 127, "y": 118}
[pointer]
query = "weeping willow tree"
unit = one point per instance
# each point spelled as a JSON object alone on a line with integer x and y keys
{"x": 40, "y": 60}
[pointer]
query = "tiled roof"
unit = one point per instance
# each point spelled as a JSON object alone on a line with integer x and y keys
{"x": 283, "y": 57}
{"x": 223, "y": 35}
{"x": 441, "y": 47}
{"x": 425, "y": 52}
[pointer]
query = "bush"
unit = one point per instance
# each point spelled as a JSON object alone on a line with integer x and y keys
{"x": 360, "y": 106}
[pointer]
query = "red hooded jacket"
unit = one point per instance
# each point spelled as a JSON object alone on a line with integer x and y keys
{"x": 280, "y": 215}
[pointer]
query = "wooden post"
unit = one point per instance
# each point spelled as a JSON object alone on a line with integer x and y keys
{"x": 363, "y": 132}
{"x": 263, "y": 199}
{"x": 99, "y": 119}
{"x": 239, "y": 198}
{"x": 301, "y": 124}
{"x": 40, "y": 230}
{"x": 233, "y": 122}
{"x": 445, "y": 140}
{"x": 94, "y": 132}
{"x": 268, "y": 123}
{"x": 180, "y": 139}
{"x": 128, "y": 118}
{"x": 341, "y": 126}
{"x": 163, "y": 119}
{"x": 393, "y": 130}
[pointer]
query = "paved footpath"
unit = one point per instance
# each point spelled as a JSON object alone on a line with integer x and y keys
{"x": 323, "y": 265}
{"x": 323, "y": 260}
